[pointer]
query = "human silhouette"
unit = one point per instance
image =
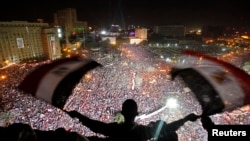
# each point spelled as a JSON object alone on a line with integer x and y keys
{"x": 129, "y": 130}
{"x": 59, "y": 134}
{"x": 160, "y": 133}
{"x": 17, "y": 132}
{"x": 24, "y": 132}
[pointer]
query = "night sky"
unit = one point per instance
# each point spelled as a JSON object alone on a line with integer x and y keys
{"x": 137, "y": 12}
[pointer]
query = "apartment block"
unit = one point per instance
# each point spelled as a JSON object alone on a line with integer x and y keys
{"x": 22, "y": 41}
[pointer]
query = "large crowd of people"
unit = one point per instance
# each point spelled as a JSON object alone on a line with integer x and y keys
{"x": 128, "y": 72}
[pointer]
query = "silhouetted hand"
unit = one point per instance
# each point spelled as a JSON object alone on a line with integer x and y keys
{"x": 207, "y": 123}
{"x": 192, "y": 117}
{"x": 81, "y": 118}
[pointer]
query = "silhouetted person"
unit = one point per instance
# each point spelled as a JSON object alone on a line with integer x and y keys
{"x": 60, "y": 134}
{"x": 24, "y": 132}
{"x": 162, "y": 132}
{"x": 18, "y": 132}
{"x": 129, "y": 130}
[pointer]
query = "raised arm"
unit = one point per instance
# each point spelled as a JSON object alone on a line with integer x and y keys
{"x": 175, "y": 125}
{"x": 94, "y": 125}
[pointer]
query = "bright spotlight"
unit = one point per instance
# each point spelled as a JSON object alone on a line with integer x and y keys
{"x": 103, "y": 32}
{"x": 172, "y": 103}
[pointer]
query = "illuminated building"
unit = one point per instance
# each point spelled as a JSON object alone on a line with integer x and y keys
{"x": 141, "y": 33}
{"x": 67, "y": 19}
{"x": 21, "y": 41}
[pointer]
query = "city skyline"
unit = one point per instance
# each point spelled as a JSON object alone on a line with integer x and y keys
{"x": 139, "y": 12}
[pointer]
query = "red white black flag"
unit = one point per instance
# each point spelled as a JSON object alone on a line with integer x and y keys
{"x": 54, "y": 82}
{"x": 219, "y": 86}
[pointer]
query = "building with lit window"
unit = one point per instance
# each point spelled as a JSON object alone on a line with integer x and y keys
{"x": 141, "y": 33}
{"x": 67, "y": 19}
{"x": 21, "y": 41}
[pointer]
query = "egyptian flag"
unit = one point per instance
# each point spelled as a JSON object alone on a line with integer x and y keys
{"x": 218, "y": 86}
{"x": 55, "y": 81}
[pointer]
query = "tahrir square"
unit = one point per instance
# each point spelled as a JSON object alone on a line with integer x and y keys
{"x": 23, "y": 41}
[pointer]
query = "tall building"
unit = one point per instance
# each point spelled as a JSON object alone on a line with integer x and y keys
{"x": 21, "y": 41}
{"x": 66, "y": 18}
